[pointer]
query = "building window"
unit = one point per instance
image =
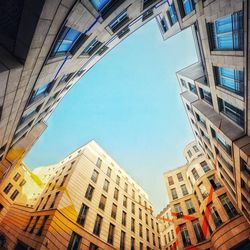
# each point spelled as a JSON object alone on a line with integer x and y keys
{"x": 54, "y": 201}
{"x": 152, "y": 223}
{"x": 99, "y": 163}
{"x": 109, "y": 170}
{"x": 231, "y": 112}
{"x": 118, "y": 179}
{"x": 184, "y": 189}
{"x": 206, "y": 96}
{"x": 147, "y": 234}
{"x": 126, "y": 187}
{"x": 183, "y": 83}
{"x": 14, "y": 195}
{"x": 92, "y": 47}
{"x": 174, "y": 194}
{"x": 228, "y": 206}
{"x": 140, "y": 213}
{"x": 180, "y": 177}
{"x": 106, "y": 186}
{"x": 43, "y": 90}
{"x": 116, "y": 194}
{"x": 102, "y": 202}
{"x": 89, "y": 192}
{"x": 99, "y": 4}
{"x": 22, "y": 183}
{"x": 92, "y": 246}
{"x": 133, "y": 193}
{"x": 146, "y": 219}
{"x": 94, "y": 176}
{"x": 8, "y": 188}
{"x": 40, "y": 231}
{"x": 162, "y": 23}
{"x": 195, "y": 174}
{"x": 172, "y": 14}
{"x": 214, "y": 182}
{"x": 230, "y": 79}
{"x": 221, "y": 141}
{"x": 132, "y": 243}
{"x": 111, "y": 234}
{"x": 215, "y": 216}
{"x": 140, "y": 230}
{"x": 205, "y": 166}
{"x": 113, "y": 211}
{"x": 197, "y": 229}
{"x": 122, "y": 241}
{"x": 98, "y": 223}
{"x": 66, "y": 39}
{"x": 139, "y": 199}
{"x": 125, "y": 201}
{"x": 188, "y": 6}
{"x": 124, "y": 218}
{"x": 141, "y": 246}
{"x": 16, "y": 177}
{"x": 30, "y": 220}
{"x": 82, "y": 214}
{"x": 119, "y": 21}
{"x": 227, "y": 32}
{"x": 185, "y": 236}
{"x": 178, "y": 210}
{"x": 132, "y": 224}
{"x": 203, "y": 191}
{"x": 75, "y": 241}
{"x": 133, "y": 208}
{"x": 189, "y": 153}
{"x": 34, "y": 225}
{"x": 170, "y": 180}
{"x": 192, "y": 88}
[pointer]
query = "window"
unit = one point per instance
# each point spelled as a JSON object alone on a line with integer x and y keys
{"x": 106, "y": 185}
{"x": 98, "y": 223}
{"x": 192, "y": 88}
{"x": 92, "y": 47}
{"x": 99, "y": 4}
{"x": 132, "y": 243}
{"x": 231, "y": 112}
{"x": 201, "y": 120}
{"x": 227, "y": 32}
{"x": 119, "y": 21}
{"x": 197, "y": 229}
{"x": 113, "y": 211}
{"x": 116, "y": 194}
{"x": 26, "y": 228}
{"x": 124, "y": 218}
{"x": 228, "y": 206}
{"x": 153, "y": 236}
{"x": 214, "y": 182}
{"x": 94, "y": 176}
{"x": 45, "y": 204}
{"x": 206, "y": 96}
{"x": 99, "y": 163}
{"x": 63, "y": 181}
{"x": 16, "y": 177}
{"x": 174, "y": 194}
{"x": 147, "y": 234}
{"x": 132, "y": 224}
{"x": 180, "y": 177}
{"x": 162, "y": 23}
{"x": 190, "y": 206}
{"x": 195, "y": 174}
{"x": 125, "y": 201}
{"x": 178, "y": 210}
{"x": 172, "y": 14}
{"x": 34, "y": 225}
{"x": 139, "y": 199}
{"x": 92, "y": 246}
{"x": 196, "y": 149}
{"x": 215, "y": 216}
{"x": 140, "y": 213}
{"x": 133, "y": 193}
{"x": 184, "y": 189}
{"x": 14, "y": 195}
{"x": 65, "y": 41}
{"x": 184, "y": 235}
{"x": 172, "y": 233}
{"x": 109, "y": 170}
{"x": 205, "y": 166}
{"x": 122, "y": 242}
{"x": 89, "y": 192}
{"x": 140, "y": 230}
{"x": 43, "y": 90}
{"x": 170, "y": 180}
{"x": 102, "y": 202}
{"x": 118, "y": 179}
{"x": 152, "y": 223}
{"x": 126, "y": 187}
{"x": 133, "y": 208}
{"x": 22, "y": 183}
{"x": 203, "y": 190}
{"x": 82, "y": 214}
{"x": 8, "y": 188}
{"x": 221, "y": 141}
{"x": 141, "y": 246}
{"x": 111, "y": 234}
{"x": 40, "y": 231}
{"x": 146, "y": 219}
{"x": 230, "y": 79}
{"x": 188, "y": 6}
{"x": 75, "y": 241}
{"x": 54, "y": 201}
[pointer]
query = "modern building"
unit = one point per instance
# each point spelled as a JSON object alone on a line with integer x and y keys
{"x": 203, "y": 211}
{"x": 87, "y": 202}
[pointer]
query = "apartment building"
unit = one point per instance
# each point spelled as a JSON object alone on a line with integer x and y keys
{"x": 204, "y": 213}
{"x": 87, "y": 202}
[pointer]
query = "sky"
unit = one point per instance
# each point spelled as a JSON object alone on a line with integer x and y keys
{"x": 130, "y": 104}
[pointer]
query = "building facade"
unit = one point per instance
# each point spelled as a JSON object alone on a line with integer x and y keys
{"x": 87, "y": 202}
{"x": 205, "y": 215}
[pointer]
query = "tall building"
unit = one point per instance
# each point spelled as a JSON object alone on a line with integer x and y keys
{"x": 203, "y": 211}
{"x": 87, "y": 202}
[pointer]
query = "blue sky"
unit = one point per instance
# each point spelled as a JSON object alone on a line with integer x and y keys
{"x": 129, "y": 102}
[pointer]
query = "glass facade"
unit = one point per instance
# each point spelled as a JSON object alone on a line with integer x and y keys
{"x": 188, "y": 6}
